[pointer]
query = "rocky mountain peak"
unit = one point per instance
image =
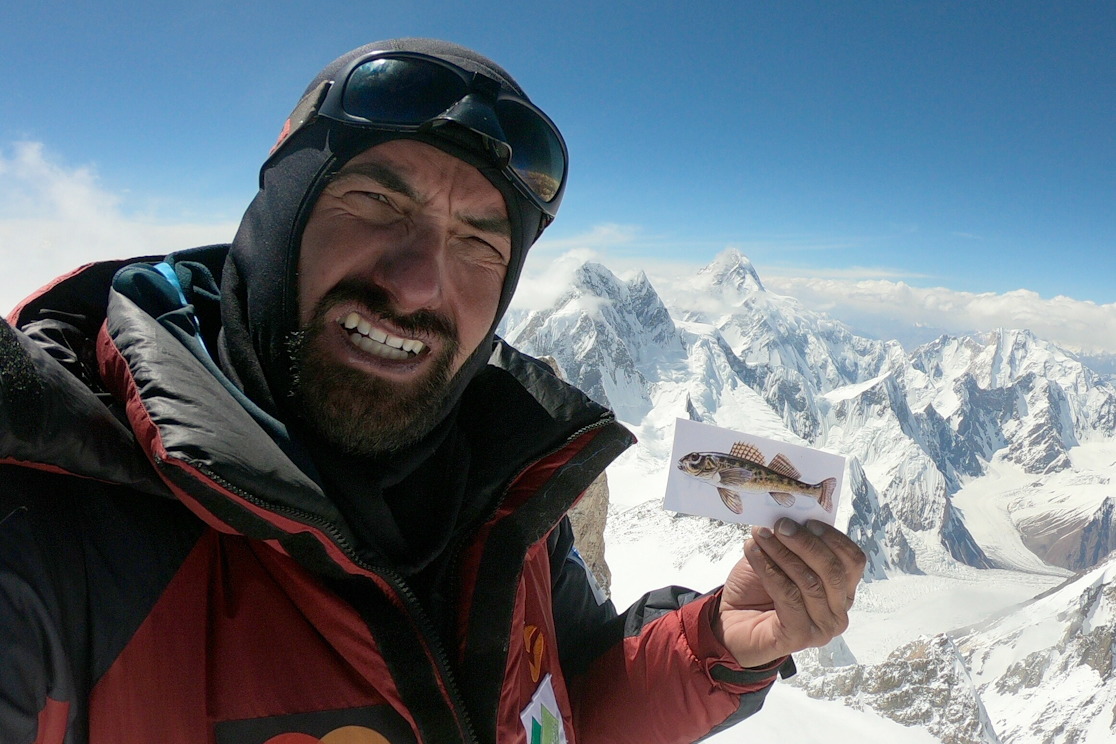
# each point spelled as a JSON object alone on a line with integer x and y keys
{"x": 731, "y": 269}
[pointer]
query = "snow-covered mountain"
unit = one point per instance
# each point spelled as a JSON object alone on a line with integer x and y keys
{"x": 919, "y": 427}
{"x": 922, "y": 683}
{"x": 980, "y": 456}
{"x": 1045, "y": 672}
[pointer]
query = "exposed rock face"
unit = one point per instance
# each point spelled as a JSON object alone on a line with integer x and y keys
{"x": 947, "y": 446}
{"x": 1045, "y": 671}
{"x": 924, "y": 683}
{"x": 589, "y": 518}
{"x": 871, "y": 527}
{"x": 607, "y": 335}
{"x": 1077, "y": 542}
{"x": 911, "y": 457}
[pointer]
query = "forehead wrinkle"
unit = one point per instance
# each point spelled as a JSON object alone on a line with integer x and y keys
{"x": 383, "y": 174}
{"x": 390, "y": 178}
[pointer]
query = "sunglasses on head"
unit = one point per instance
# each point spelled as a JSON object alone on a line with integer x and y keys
{"x": 413, "y": 92}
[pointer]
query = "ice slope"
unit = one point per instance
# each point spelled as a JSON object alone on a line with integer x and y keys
{"x": 1046, "y": 670}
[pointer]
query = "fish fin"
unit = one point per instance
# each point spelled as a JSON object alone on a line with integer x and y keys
{"x": 731, "y": 499}
{"x": 749, "y": 452}
{"x": 826, "y": 498}
{"x": 736, "y": 476}
{"x": 781, "y": 465}
{"x": 783, "y": 499}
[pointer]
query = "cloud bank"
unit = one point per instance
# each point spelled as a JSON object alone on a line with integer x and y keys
{"x": 884, "y": 308}
{"x": 893, "y": 309}
{"x": 55, "y": 218}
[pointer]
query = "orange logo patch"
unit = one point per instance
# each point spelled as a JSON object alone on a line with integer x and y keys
{"x": 536, "y": 650}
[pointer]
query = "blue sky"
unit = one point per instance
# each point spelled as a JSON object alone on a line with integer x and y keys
{"x": 960, "y": 145}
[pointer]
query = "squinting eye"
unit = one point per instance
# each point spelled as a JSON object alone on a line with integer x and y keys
{"x": 372, "y": 202}
{"x": 487, "y": 247}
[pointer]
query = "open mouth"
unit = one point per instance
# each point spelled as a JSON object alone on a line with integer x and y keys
{"x": 376, "y": 342}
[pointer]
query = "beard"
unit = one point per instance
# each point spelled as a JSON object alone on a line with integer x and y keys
{"x": 356, "y": 412}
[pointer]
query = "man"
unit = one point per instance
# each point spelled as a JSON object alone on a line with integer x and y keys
{"x": 295, "y": 490}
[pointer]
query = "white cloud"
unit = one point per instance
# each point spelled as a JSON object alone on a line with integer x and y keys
{"x": 601, "y": 237}
{"x": 54, "y": 218}
{"x": 913, "y": 314}
{"x": 543, "y": 281}
{"x": 848, "y": 273}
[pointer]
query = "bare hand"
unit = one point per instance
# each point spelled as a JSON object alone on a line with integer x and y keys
{"x": 792, "y": 590}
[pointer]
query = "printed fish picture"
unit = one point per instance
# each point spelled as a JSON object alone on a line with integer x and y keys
{"x": 707, "y": 462}
{"x": 742, "y": 470}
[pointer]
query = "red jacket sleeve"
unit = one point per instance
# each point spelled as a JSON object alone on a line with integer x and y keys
{"x": 668, "y": 680}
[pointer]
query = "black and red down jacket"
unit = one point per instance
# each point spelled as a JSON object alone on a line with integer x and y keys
{"x": 168, "y": 574}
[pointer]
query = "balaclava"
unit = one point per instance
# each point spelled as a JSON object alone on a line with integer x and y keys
{"x": 259, "y": 297}
{"x": 259, "y": 311}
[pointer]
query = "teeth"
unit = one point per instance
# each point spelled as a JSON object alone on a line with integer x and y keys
{"x": 363, "y": 342}
{"x": 377, "y": 342}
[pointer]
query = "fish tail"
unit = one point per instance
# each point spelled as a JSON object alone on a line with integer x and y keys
{"x": 826, "y": 499}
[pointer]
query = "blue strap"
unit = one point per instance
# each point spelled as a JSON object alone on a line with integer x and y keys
{"x": 167, "y": 271}
{"x": 169, "y": 274}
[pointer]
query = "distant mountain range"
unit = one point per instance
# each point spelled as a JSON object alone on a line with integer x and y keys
{"x": 995, "y": 450}
{"x": 915, "y": 426}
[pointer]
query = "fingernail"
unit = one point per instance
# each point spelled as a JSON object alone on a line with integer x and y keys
{"x": 762, "y": 532}
{"x": 816, "y": 527}
{"x": 787, "y": 527}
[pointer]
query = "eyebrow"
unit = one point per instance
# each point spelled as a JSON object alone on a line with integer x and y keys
{"x": 387, "y": 177}
{"x": 496, "y": 225}
{"x": 391, "y": 179}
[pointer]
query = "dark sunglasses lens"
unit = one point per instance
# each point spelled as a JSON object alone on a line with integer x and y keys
{"x": 536, "y": 150}
{"x": 401, "y": 91}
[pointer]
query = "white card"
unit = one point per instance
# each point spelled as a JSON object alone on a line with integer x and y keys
{"x": 737, "y": 477}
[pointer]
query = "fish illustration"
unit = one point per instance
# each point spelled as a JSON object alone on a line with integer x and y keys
{"x": 742, "y": 470}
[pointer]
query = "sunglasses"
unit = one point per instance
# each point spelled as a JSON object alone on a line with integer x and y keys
{"x": 413, "y": 92}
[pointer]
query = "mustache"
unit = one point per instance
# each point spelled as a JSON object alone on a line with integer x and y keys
{"x": 376, "y": 299}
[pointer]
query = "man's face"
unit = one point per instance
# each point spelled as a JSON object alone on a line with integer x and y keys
{"x": 402, "y": 263}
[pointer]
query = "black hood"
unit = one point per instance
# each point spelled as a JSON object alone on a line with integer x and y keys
{"x": 259, "y": 284}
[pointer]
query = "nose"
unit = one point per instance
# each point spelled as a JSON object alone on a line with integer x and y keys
{"x": 413, "y": 270}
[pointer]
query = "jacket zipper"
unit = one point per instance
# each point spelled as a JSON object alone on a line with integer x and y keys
{"x": 425, "y": 625}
